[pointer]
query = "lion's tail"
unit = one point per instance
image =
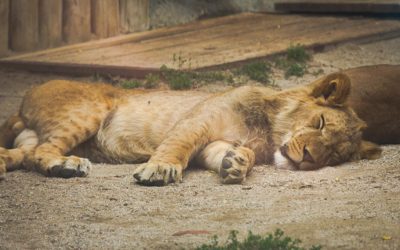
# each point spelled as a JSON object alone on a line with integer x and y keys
{"x": 10, "y": 129}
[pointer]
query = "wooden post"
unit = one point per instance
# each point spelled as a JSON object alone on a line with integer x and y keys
{"x": 4, "y": 9}
{"x": 105, "y": 18}
{"x": 50, "y": 23}
{"x": 134, "y": 15}
{"x": 24, "y": 26}
{"x": 76, "y": 21}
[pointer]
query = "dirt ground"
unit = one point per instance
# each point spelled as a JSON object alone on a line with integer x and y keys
{"x": 353, "y": 206}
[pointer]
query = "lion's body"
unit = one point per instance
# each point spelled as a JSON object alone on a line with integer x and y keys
{"x": 115, "y": 125}
{"x": 130, "y": 129}
{"x": 375, "y": 97}
{"x": 227, "y": 132}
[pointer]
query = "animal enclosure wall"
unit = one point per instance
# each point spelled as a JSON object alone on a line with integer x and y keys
{"x": 27, "y": 25}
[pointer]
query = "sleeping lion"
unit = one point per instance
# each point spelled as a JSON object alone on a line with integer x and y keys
{"x": 63, "y": 126}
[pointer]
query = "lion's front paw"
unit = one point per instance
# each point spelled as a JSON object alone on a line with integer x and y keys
{"x": 70, "y": 167}
{"x": 158, "y": 174}
{"x": 235, "y": 166}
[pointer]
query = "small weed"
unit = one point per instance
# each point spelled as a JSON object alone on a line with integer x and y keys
{"x": 209, "y": 76}
{"x": 131, "y": 84}
{"x": 295, "y": 69}
{"x": 182, "y": 79}
{"x": 152, "y": 81}
{"x": 257, "y": 71}
{"x": 295, "y": 61}
{"x": 177, "y": 79}
{"x": 276, "y": 241}
{"x": 180, "y": 61}
{"x": 297, "y": 53}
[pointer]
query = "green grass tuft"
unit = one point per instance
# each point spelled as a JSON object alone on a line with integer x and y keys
{"x": 177, "y": 79}
{"x": 295, "y": 69}
{"x": 295, "y": 61}
{"x": 152, "y": 81}
{"x": 257, "y": 71}
{"x": 297, "y": 53}
{"x": 209, "y": 76}
{"x": 276, "y": 241}
{"x": 131, "y": 84}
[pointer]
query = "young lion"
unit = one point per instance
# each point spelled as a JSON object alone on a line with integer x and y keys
{"x": 62, "y": 123}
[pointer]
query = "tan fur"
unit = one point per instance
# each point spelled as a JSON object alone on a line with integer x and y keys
{"x": 375, "y": 97}
{"x": 67, "y": 122}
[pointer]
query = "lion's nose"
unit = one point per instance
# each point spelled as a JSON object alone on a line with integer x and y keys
{"x": 284, "y": 149}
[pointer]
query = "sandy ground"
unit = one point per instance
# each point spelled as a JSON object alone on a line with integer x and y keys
{"x": 353, "y": 206}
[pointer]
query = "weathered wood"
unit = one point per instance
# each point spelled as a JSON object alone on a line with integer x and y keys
{"x": 105, "y": 18}
{"x": 24, "y": 26}
{"x": 4, "y": 10}
{"x": 50, "y": 23}
{"x": 331, "y": 6}
{"x": 142, "y": 36}
{"x": 134, "y": 15}
{"x": 216, "y": 42}
{"x": 76, "y": 20}
{"x": 76, "y": 69}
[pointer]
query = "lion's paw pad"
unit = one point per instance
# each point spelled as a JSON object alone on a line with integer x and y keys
{"x": 157, "y": 174}
{"x": 71, "y": 167}
{"x": 233, "y": 168}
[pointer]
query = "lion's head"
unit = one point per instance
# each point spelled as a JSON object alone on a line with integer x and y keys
{"x": 325, "y": 132}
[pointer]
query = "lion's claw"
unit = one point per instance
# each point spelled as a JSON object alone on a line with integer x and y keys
{"x": 71, "y": 167}
{"x": 157, "y": 174}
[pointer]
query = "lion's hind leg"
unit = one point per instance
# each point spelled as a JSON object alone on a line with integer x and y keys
{"x": 49, "y": 158}
{"x": 12, "y": 159}
{"x": 58, "y": 138}
{"x": 230, "y": 160}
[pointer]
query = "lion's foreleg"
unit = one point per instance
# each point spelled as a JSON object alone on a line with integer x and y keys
{"x": 172, "y": 156}
{"x": 231, "y": 161}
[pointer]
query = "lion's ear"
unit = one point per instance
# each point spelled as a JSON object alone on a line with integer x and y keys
{"x": 333, "y": 89}
{"x": 369, "y": 150}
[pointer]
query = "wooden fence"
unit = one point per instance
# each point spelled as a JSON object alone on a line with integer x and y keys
{"x": 27, "y": 25}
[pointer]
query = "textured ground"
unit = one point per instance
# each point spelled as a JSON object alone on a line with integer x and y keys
{"x": 354, "y": 206}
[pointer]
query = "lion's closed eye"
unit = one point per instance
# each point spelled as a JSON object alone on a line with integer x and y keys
{"x": 318, "y": 122}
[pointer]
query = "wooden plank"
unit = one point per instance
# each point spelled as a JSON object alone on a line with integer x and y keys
{"x": 161, "y": 52}
{"x": 4, "y": 10}
{"x": 216, "y": 43}
{"x": 76, "y": 69}
{"x": 134, "y": 15}
{"x": 210, "y": 46}
{"x": 24, "y": 26}
{"x": 105, "y": 18}
{"x": 141, "y": 36}
{"x": 50, "y": 23}
{"x": 375, "y": 7}
{"x": 76, "y": 21}
{"x": 315, "y": 39}
{"x": 221, "y": 32}
{"x": 242, "y": 49}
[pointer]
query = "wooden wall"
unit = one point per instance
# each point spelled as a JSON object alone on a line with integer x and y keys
{"x": 27, "y": 25}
